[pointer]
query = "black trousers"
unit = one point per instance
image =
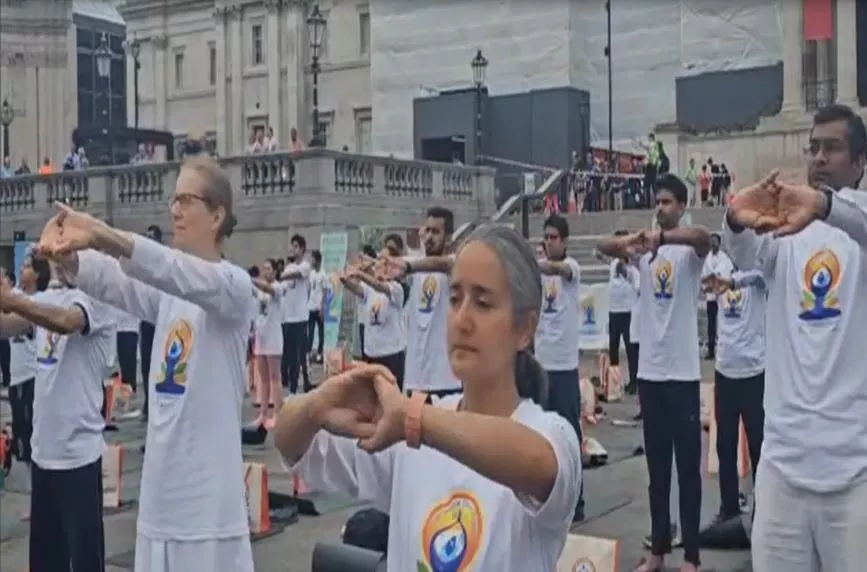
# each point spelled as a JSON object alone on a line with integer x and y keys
{"x": 294, "y": 358}
{"x": 564, "y": 398}
{"x": 395, "y": 364}
{"x": 736, "y": 400}
{"x": 712, "y": 309}
{"x": 21, "y": 404}
{"x": 672, "y": 424}
{"x": 618, "y": 327}
{"x": 361, "y": 340}
{"x": 5, "y": 362}
{"x": 66, "y": 531}
{"x": 316, "y": 320}
{"x": 146, "y": 346}
{"x": 127, "y": 355}
{"x": 632, "y": 359}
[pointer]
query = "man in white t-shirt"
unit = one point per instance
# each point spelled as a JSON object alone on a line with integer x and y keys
{"x": 811, "y": 489}
{"x": 73, "y": 342}
{"x": 319, "y": 284}
{"x": 427, "y": 361}
{"x": 296, "y": 275}
{"x": 668, "y": 364}
{"x": 739, "y": 383}
{"x": 717, "y": 263}
{"x": 623, "y": 283}
{"x": 560, "y": 320}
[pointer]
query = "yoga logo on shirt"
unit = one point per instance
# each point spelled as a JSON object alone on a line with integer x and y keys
{"x": 822, "y": 275}
{"x": 452, "y": 534}
{"x": 375, "y": 311}
{"x": 551, "y": 292}
{"x": 733, "y": 303}
{"x": 173, "y": 370}
{"x": 663, "y": 279}
{"x": 429, "y": 289}
{"x": 584, "y": 565}
{"x": 588, "y": 312}
{"x": 49, "y": 350}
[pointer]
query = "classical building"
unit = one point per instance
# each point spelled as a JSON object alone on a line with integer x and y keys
{"x": 222, "y": 68}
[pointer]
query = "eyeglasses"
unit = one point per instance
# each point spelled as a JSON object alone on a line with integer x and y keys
{"x": 185, "y": 200}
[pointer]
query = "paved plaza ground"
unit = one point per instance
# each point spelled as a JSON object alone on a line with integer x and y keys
{"x": 617, "y": 505}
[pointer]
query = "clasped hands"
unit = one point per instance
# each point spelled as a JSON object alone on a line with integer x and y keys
{"x": 715, "y": 284}
{"x": 778, "y": 207}
{"x": 67, "y": 232}
{"x": 362, "y": 403}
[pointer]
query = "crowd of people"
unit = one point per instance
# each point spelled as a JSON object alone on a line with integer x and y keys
{"x": 462, "y": 421}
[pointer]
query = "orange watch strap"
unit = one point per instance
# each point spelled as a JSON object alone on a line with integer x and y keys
{"x": 412, "y": 421}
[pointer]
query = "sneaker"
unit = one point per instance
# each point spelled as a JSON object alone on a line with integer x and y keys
{"x": 675, "y": 539}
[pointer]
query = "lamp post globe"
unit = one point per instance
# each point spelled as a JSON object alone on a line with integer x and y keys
{"x": 316, "y": 30}
{"x": 103, "y": 57}
{"x": 479, "y": 65}
{"x": 7, "y": 114}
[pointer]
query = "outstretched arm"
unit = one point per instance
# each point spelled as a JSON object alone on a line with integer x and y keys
{"x": 748, "y": 250}
{"x": 61, "y": 320}
{"x": 429, "y": 264}
{"x": 849, "y": 216}
{"x": 696, "y": 237}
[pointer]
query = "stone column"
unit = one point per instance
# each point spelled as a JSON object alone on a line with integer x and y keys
{"x": 160, "y": 43}
{"x": 793, "y": 50}
{"x": 220, "y": 87}
{"x": 847, "y": 68}
{"x": 296, "y": 65}
{"x": 238, "y": 136}
{"x": 273, "y": 62}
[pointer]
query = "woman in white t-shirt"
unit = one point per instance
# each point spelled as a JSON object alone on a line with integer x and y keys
{"x": 486, "y": 480}
{"x": 268, "y": 342}
{"x": 384, "y": 334}
{"x": 35, "y": 276}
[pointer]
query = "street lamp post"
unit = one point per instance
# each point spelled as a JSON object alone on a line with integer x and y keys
{"x": 479, "y": 65}
{"x": 610, "y": 89}
{"x": 133, "y": 48}
{"x": 7, "y": 114}
{"x": 103, "y": 57}
{"x": 315, "y": 32}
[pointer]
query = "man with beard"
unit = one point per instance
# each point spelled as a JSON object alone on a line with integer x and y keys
{"x": 668, "y": 364}
{"x": 427, "y": 361}
{"x": 811, "y": 489}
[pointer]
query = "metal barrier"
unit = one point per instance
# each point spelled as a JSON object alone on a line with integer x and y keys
{"x": 329, "y": 557}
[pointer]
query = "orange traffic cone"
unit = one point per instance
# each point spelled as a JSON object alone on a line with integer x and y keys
{"x": 258, "y": 503}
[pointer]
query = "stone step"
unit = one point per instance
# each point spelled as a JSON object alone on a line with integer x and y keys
{"x": 609, "y": 221}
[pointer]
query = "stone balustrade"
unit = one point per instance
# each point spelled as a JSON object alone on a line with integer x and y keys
{"x": 309, "y": 192}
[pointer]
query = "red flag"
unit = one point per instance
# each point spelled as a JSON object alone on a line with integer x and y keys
{"x": 818, "y": 19}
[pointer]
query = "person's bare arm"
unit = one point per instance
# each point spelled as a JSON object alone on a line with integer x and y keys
{"x": 12, "y": 325}
{"x": 429, "y": 264}
{"x": 556, "y": 268}
{"x": 696, "y": 237}
{"x": 64, "y": 321}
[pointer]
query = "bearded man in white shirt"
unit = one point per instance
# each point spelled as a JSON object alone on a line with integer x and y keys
{"x": 668, "y": 364}
{"x": 811, "y": 489}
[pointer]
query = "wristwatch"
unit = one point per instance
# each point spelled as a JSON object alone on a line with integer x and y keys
{"x": 412, "y": 420}
{"x": 829, "y": 198}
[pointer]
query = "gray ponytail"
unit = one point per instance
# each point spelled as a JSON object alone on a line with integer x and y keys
{"x": 525, "y": 290}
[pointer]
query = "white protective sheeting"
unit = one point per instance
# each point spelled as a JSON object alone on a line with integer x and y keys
{"x": 421, "y": 46}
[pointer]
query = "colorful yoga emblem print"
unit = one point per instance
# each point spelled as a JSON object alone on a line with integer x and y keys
{"x": 452, "y": 534}
{"x": 551, "y": 292}
{"x": 822, "y": 275}
{"x": 663, "y": 279}
{"x": 48, "y": 355}
{"x": 429, "y": 289}
{"x": 176, "y": 355}
{"x": 733, "y": 303}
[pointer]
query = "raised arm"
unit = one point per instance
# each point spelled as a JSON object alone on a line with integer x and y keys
{"x": 567, "y": 269}
{"x": 696, "y": 237}
{"x": 12, "y": 325}
{"x": 267, "y": 287}
{"x": 65, "y": 320}
{"x": 748, "y": 250}
{"x": 219, "y": 288}
{"x": 748, "y": 278}
{"x": 373, "y": 282}
{"x": 429, "y": 264}
{"x": 849, "y": 216}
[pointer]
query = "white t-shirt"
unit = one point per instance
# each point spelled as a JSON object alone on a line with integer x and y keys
{"x": 816, "y": 365}
{"x": 623, "y": 290}
{"x": 635, "y": 322}
{"x": 126, "y": 323}
{"x": 669, "y": 315}
{"x": 295, "y": 298}
{"x": 22, "y": 359}
{"x": 192, "y": 485}
{"x": 383, "y": 333}
{"x": 67, "y": 396}
{"x": 444, "y": 514}
{"x": 719, "y": 264}
{"x": 427, "y": 358}
{"x": 268, "y": 329}
{"x": 741, "y": 327}
{"x": 318, "y": 284}
{"x": 560, "y": 320}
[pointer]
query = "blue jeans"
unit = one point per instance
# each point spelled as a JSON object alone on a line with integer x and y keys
{"x": 564, "y": 397}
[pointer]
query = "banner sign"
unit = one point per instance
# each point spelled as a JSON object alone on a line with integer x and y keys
{"x": 333, "y": 246}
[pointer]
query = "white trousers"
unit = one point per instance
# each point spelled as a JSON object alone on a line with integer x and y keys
{"x": 801, "y": 531}
{"x": 219, "y": 555}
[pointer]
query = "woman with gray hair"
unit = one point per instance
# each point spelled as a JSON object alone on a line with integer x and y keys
{"x": 484, "y": 480}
